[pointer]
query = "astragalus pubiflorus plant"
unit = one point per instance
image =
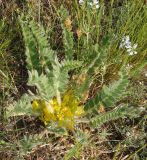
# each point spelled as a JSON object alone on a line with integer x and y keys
{"x": 63, "y": 98}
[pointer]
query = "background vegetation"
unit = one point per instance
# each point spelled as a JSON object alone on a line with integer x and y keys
{"x": 92, "y": 51}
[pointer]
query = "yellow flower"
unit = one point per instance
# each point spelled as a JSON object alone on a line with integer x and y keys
{"x": 63, "y": 114}
{"x": 79, "y": 111}
{"x": 35, "y": 105}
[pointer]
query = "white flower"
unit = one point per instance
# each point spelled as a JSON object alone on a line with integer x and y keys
{"x": 130, "y": 53}
{"x": 128, "y": 45}
{"x": 81, "y": 1}
{"x": 126, "y": 42}
{"x": 129, "y": 49}
{"x": 97, "y": 6}
{"x": 127, "y": 39}
{"x": 135, "y": 52}
{"x": 94, "y": 3}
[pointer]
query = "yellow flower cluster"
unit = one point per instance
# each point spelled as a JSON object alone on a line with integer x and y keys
{"x": 63, "y": 114}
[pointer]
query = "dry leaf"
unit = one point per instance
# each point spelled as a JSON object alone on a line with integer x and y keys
{"x": 81, "y": 78}
{"x": 79, "y": 33}
{"x": 68, "y": 23}
{"x": 101, "y": 108}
